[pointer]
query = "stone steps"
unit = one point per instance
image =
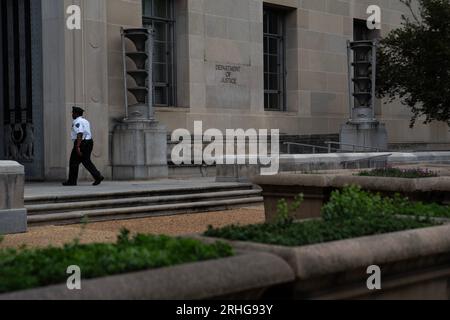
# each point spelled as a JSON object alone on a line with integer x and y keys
{"x": 97, "y": 196}
{"x": 72, "y": 209}
{"x": 132, "y": 202}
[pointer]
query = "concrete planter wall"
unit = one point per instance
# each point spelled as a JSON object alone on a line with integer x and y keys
{"x": 317, "y": 189}
{"x": 334, "y": 161}
{"x": 414, "y": 264}
{"x": 13, "y": 215}
{"x": 245, "y": 276}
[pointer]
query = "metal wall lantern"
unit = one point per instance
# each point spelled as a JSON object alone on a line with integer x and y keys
{"x": 142, "y": 90}
{"x": 362, "y": 64}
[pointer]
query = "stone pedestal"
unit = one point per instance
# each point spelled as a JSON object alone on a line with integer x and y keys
{"x": 140, "y": 151}
{"x": 366, "y": 136}
{"x": 13, "y": 215}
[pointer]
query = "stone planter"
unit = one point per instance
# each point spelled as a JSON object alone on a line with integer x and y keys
{"x": 414, "y": 264}
{"x": 317, "y": 189}
{"x": 13, "y": 215}
{"x": 333, "y": 161}
{"x": 245, "y": 276}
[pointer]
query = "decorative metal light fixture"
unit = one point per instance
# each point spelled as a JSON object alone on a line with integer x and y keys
{"x": 142, "y": 38}
{"x": 363, "y": 132}
{"x": 362, "y": 81}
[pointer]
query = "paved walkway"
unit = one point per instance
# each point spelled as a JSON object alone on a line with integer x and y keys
{"x": 56, "y": 189}
{"x": 106, "y": 232}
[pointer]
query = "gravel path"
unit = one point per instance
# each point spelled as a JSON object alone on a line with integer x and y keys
{"x": 107, "y": 231}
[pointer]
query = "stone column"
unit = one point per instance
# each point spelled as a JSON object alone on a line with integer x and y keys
{"x": 13, "y": 215}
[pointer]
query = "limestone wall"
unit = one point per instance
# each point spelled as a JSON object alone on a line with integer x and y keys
{"x": 229, "y": 33}
{"x": 213, "y": 37}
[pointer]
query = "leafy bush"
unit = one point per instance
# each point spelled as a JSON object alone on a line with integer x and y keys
{"x": 316, "y": 231}
{"x": 399, "y": 173}
{"x": 430, "y": 210}
{"x": 353, "y": 203}
{"x": 284, "y": 210}
{"x": 414, "y": 62}
{"x": 31, "y": 268}
{"x": 351, "y": 213}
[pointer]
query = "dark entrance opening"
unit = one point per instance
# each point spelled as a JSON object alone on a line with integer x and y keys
{"x": 21, "y": 122}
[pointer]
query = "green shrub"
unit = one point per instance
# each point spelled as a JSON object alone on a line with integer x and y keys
{"x": 430, "y": 210}
{"x": 316, "y": 231}
{"x": 399, "y": 173}
{"x": 353, "y": 203}
{"x": 31, "y": 268}
{"x": 350, "y": 213}
{"x": 284, "y": 210}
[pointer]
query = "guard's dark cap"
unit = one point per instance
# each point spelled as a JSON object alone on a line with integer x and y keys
{"x": 77, "y": 110}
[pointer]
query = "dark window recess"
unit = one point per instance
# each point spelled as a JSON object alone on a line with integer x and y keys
{"x": 274, "y": 60}
{"x": 361, "y": 32}
{"x": 159, "y": 14}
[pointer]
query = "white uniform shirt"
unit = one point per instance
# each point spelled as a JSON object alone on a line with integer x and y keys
{"x": 81, "y": 125}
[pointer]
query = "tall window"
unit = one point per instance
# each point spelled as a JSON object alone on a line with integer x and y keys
{"x": 159, "y": 14}
{"x": 274, "y": 60}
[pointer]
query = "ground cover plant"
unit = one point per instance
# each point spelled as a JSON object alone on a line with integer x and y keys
{"x": 31, "y": 268}
{"x": 350, "y": 213}
{"x": 403, "y": 207}
{"x": 399, "y": 173}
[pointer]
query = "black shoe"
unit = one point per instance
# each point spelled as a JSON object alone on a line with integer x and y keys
{"x": 69, "y": 184}
{"x": 98, "y": 181}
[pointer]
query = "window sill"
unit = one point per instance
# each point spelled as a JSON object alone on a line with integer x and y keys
{"x": 281, "y": 112}
{"x": 172, "y": 109}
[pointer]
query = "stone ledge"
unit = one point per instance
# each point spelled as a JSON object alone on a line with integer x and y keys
{"x": 13, "y": 216}
{"x": 11, "y": 167}
{"x": 411, "y": 261}
{"x": 333, "y": 161}
{"x": 343, "y": 178}
{"x": 247, "y": 275}
{"x": 13, "y": 221}
{"x": 317, "y": 189}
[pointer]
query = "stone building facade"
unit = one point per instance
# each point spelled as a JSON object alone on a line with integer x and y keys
{"x": 274, "y": 64}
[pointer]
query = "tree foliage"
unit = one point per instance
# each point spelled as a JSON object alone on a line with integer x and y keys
{"x": 414, "y": 61}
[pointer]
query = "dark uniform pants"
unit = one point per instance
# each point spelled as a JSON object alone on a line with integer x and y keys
{"x": 86, "y": 148}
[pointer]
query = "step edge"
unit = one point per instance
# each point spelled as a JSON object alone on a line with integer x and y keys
{"x": 77, "y": 215}
{"x": 156, "y": 199}
{"x": 249, "y": 186}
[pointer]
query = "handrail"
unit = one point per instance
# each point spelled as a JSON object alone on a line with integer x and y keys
{"x": 369, "y": 158}
{"x": 354, "y": 146}
{"x": 330, "y": 149}
{"x": 289, "y": 144}
{"x": 345, "y": 163}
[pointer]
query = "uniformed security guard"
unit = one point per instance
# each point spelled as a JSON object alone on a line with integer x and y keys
{"x": 82, "y": 149}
